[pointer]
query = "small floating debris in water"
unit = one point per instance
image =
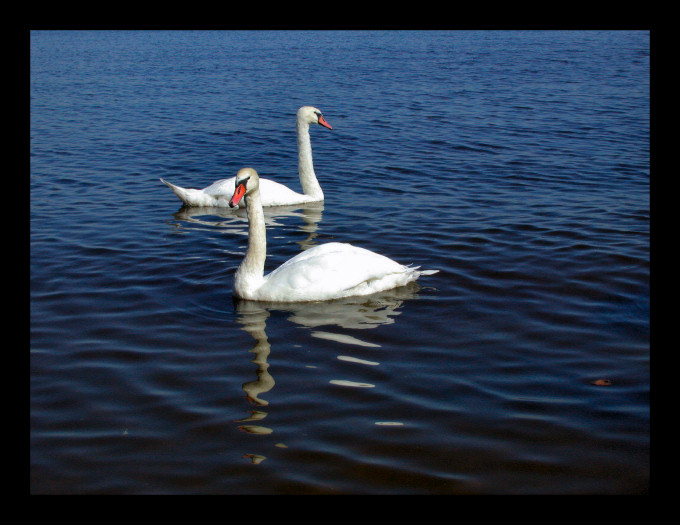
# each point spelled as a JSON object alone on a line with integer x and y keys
{"x": 342, "y": 382}
{"x": 389, "y": 423}
{"x": 281, "y": 445}
{"x": 601, "y": 382}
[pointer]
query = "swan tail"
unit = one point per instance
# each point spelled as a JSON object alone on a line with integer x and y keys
{"x": 420, "y": 272}
{"x": 180, "y": 192}
{"x": 187, "y": 196}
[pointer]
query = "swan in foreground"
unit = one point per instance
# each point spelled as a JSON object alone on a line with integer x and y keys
{"x": 273, "y": 193}
{"x": 326, "y": 271}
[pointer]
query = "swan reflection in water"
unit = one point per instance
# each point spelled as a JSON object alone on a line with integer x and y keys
{"x": 325, "y": 320}
{"x": 235, "y": 221}
{"x": 351, "y": 313}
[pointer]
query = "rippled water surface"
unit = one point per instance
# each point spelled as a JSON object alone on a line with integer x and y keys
{"x": 516, "y": 163}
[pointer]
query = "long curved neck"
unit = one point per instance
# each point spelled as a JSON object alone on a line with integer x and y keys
{"x": 251, "y": 270}
{"x": 310, "y": 185}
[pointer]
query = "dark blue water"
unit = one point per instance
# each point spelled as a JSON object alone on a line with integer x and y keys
{"x": 516, "y": 163}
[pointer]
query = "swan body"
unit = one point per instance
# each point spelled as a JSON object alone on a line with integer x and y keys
{"x": 273, "y": 193}
{"x": 327, "y": 271}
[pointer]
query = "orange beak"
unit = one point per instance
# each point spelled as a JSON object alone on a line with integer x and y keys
{"x": 324, "y": 123}
{"x": 239, "y": 192}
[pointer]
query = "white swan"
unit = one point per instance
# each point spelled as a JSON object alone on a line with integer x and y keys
{"x": 273, "y": 193}
{"x": 326, "y": 271}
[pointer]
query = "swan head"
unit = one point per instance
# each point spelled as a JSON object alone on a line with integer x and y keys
{"x": 247, "y": 181}
{"x": 312, "y": 115}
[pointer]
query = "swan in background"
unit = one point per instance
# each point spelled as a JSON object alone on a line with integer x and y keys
{"x": 327, "y": 271}
{"x": 273, "y": 193}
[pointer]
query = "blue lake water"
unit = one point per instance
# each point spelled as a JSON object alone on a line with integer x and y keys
{"x": 515, "y": 162}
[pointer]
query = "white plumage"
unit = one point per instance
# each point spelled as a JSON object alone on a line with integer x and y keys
{"x": 328, "y": 271}
{"x": 273, "y": 193}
